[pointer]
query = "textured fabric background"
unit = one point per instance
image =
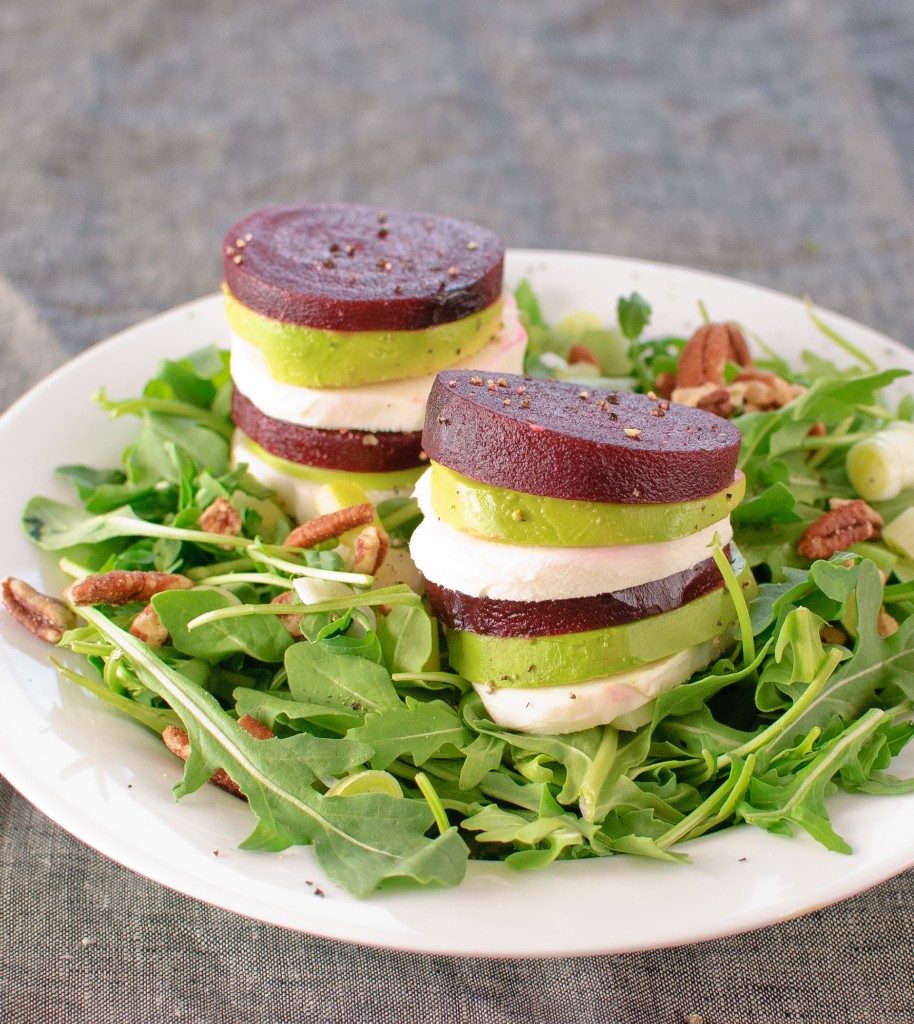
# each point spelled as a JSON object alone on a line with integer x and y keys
{"x": 772, "y": 140}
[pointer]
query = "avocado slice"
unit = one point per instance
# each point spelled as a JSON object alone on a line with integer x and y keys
{"x": 516, "y": 518}
{"x": 314, "y": 358}
{"x": 577, "y": 657}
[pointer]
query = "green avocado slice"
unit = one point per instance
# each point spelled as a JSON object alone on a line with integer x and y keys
{"x": 576, "y": 657}
{"x": 314, "y": 358}
{"x": 517, "y": 518}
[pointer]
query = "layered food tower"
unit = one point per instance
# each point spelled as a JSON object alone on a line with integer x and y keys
{"x": 340, "y": 316}
{"x": 567, "y": 543}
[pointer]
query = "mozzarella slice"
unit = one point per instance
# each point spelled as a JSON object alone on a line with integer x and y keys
{"x": 516, "y": 572}
{"x": 295, "y": 493}
{"x": 392, "y": 405}
{"x": 623, "y": 699}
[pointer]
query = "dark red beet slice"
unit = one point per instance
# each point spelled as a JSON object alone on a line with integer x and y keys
{"x": 563, "y": 440}
{"x": 361, "y": 268}
{"x": 355, "y": 451}
{"x": 572, "y": 615}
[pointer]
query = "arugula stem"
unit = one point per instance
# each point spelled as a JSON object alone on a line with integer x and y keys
{"x": 710, "y": 805}
{"x": 202, "y": 572}
{"x": 433, "y": 800}
{"x": 835, "y": 440}
{"x": 132, "y": 527}
{"x": 261, "y": 553}
{"x": 432, "y": 677}
{"x": 773, "y": 357}
{"x": 898, "y": 592}
{"x": 166, "y": 406}
{"x": 748, "y": 452}
{"x": 597, "y": 771}
{"x": 155, "y": 719}
{"x": 401, "y": 515}
{"x": 739, "y": 603}
{"x": 715, "y": 809}
{"x": 820, "y": 453}
{"x": 339, "y": 604}
{"x": 100, "y": 650}
{"x": 264, "y": 578}
{"x": 833, "y": 659}
{"x": 838, "y": 339}
{"x": 742, "y": 784}
{"x": 72, "y": 568}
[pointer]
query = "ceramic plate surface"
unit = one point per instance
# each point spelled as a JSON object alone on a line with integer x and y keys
{"x": 108, "y": 782}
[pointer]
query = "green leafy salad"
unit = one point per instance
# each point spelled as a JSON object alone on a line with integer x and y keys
{"x": 382, "y": 758}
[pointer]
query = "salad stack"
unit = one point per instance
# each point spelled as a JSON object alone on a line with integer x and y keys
{"x": 575, "y": 545}
{"x": 340, "y": 315}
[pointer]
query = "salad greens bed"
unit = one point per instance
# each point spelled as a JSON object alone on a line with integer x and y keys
{"x": 383, "y": 759}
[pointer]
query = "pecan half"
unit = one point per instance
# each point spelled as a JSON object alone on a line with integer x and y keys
{"x": 837, "y": 530}
{"x": 220, "y": 516}
{"x": 753, "y": 391}
{"x": 291, "y": 622}
{"x": 886, "y": 624}
{"x": 371, "y": 547}
{"x": 257, "y": 729}
{"x": 178, "y": 743}
{"x": 701, "y": 395}
{"x": 762, "y": 391}
{"x": 44, "y": 616}
{"x": 147, "y": 626}
{"x": 582, "y": 354}
{"x": 717, "y": 401}
{"x": 123, "y": 586}
{"x": 664, "y": 384}
{"x": 707, "y": 352}
{"x": 328, "y": 526}
{"x": 830, "y": 634}
{"x": 871, "y": 514}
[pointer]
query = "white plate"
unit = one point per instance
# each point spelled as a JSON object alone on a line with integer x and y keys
{"x": 108, "y": 782}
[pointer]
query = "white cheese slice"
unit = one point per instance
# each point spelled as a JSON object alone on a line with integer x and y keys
{"x": 623, "y": 699}
{"x": 392, "y": 405}
{"x": 517, "y": 572}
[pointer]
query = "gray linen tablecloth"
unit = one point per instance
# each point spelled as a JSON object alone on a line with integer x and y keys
{"x": 773, "y": 141}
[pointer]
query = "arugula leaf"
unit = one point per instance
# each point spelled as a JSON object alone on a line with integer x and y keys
{"x": 634, "y": 315}
{"x": 420, "y": 729}
{"x": 527, "y": 304}
{"x": 480, "y": 757}
{"x": 878, "y": 665}
{"x": 318, "y": 674}
{"x": 280, "y": 712}
{"x": 264, "y": 639}
{"x": 775, "y": 802}
{"x": 409, "y": 639}
{"x": 357, "y": 849}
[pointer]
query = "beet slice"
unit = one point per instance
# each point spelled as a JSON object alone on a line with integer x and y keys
{"x": 493, "y": 617}
{"x": 348, "y": 267}
{"x": 563, "y": 440}
{"x": 355, "y": 451}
